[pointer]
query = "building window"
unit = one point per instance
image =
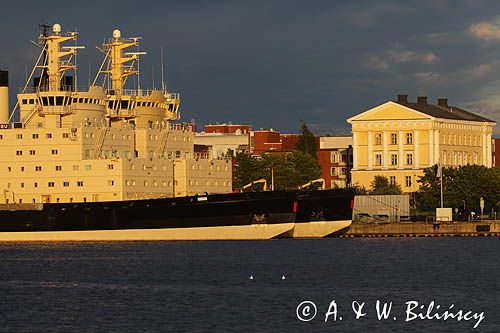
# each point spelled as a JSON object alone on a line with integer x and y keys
{"x": 409, "y": 138}
{"x": 48, "y": 135}
{"x": 32, "y": 152}
{"x": 22, "y": 185}
{"x": 65, "y": 135}
{"x": 378, "y": 159}
{"x": 34, "y": 136}
{"x": 38, "y": 168}
{"x": 58, "y": 167}
{"x": 408, "y": 181}
{"x": 343, "y": 171}
{"x": 76, "y": 168}
{"x": 111, "y": 182}
{"x": 79, "y": 183}
{"x": 88, "y": 167}
{"x": 22, "y": 168}
{"x": 35, "y": 184}
{"x": 409, "y": 159}
{"x": 334, "y": 172}
{"x": 394, "y": 138}
{"x": 9, "y": 169}
{"x": 394, "y": 159}
{"x": 54, "y": 151}
{"x": 392, "y": 180}
{"x": 66, "y": 184}
{"x": 19, "y": 152}
{"x": 51, "y": 184}
{"x": 19, "y": 136}
{"x": 110, "y": 166}
{"x": 334, "y": 157}
{"x": 378, "y": 139}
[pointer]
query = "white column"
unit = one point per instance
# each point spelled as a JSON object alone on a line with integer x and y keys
{"x": 355, "y": 152}
{"x": 431, "y": 147}
{"x": 485, "y": 150}
{"x": 400, "y": 149}
{"x": 437, "y": 158}
{"x": 415, "y": 149}
{"x": 489, "y": 151}
{"x": 385, "y": 157}
{"x": 370, "y": 151}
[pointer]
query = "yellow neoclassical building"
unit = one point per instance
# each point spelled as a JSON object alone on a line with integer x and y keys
{"x": 398, "y": 139}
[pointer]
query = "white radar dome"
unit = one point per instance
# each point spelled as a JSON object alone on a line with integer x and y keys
{"x": 56, "y": 28}
{"x": 117, "y": 33}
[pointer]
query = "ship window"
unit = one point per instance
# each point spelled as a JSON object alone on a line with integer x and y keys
{"x": 65, "y": 184}
{"x": 19, "y": 136}
{"x": 38, "y": 168}
{"x": 58, "y": 167}
{"x": 24, "y": 101}
{"x": 48, "y": 135}
{"x": 50, "y": 184}
{"x": 19, "y": 152}
{"x": 51, "y": 100}
{"x": 45, "y": 100}
{"x": 9, "y": 169}
{"x": 86, "y": 100}
{"x": 80, "y": 100}
{"x": 75, "y": 100}
{"x": 76, "y": 168}
{"x": 79, "y": 183}
{"x": 35, "y": 184}
{"x": 88, "y": 167}
{"x": 54, "y": 151}
{"x": 31, "y": 101}
{"x": 65, "y": 135}
{"x": 34, "y": 136}
{"x": 22, "y": 185}
{"x": 111, "y": 182}
{"x": 124, "y": 104}
{"x": 32, "y": 152}
{"x": 59, "y": 100}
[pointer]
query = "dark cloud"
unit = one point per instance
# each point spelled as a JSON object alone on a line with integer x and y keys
{"x": 274, "y": 63}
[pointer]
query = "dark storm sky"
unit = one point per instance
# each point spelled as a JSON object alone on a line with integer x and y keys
{"x": 274, "y": 63}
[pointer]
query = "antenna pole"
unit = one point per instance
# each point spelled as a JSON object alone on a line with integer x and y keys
{"x": 162, "y": 78}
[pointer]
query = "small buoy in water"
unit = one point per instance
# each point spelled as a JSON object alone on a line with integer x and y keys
{"x": 283, "y": 277}
{"x": 251, "y": 277}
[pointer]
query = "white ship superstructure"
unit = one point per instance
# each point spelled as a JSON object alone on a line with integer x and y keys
{"x": 101, "y": 143}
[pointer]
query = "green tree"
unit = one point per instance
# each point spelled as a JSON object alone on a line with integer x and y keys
{"x": 307, "y": 141}
{"x": 381, "y": 185}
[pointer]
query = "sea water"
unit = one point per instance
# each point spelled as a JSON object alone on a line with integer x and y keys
{"x": 324, "y": 285}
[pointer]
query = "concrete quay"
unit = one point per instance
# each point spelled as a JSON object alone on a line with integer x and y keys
{"x": 424, "y": 229}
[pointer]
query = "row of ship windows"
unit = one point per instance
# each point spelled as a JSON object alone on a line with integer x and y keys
{"x": 53, "y": 184}
{"x": 33, "y": 152}
{"x": 64, "y": 101}
{"x": 88, "y": 167}
{"x": 36, "y": 136}
{"x": 169, "y": 183}
{"x": 57, "y": 199}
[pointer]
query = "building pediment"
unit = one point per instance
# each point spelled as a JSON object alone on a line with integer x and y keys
{"x": 390, "y": 111}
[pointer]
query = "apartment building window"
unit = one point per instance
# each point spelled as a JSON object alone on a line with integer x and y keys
{"x": 394, "y": 159}
{"x": 394, "y": 138}
{"x": 34, "y": 136}
{"x": 408, "y": 181}
{"x": 19, "y": 152}
{"x": 378, "y": 139}
{"x": 333, "y": 172}
{"x": 50, "y": 184}
{"x": 66, "y": 184}
{"x": 54, "y": 151}
{"x": 65, "y": 135}
{"x": 409, "y": 138}
{"x": 110, "y": 166}
{"x": 392, "y": 180}
{"x": 334, "y": 157}
{"x": 343, "y": 171}
{"x": 378, "y": 159}
{"x": 48, "y": 135}
{"x": 38, "y": 168}
{"x": 58, "y": 167}
{"x": 409, "y": 159}
{"x": 79, "y": 183}
{"x": 32, "y": 152}
{"x": 19, "y": 136}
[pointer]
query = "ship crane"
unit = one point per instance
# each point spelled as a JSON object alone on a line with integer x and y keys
{"x": 258, "y": 181}
{"x": 316, "y": 181}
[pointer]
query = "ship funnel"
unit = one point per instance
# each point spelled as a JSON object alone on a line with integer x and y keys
{"x": 4, "y": 97}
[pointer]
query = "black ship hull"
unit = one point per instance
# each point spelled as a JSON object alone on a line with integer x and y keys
{"x": 217, "y": 210}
